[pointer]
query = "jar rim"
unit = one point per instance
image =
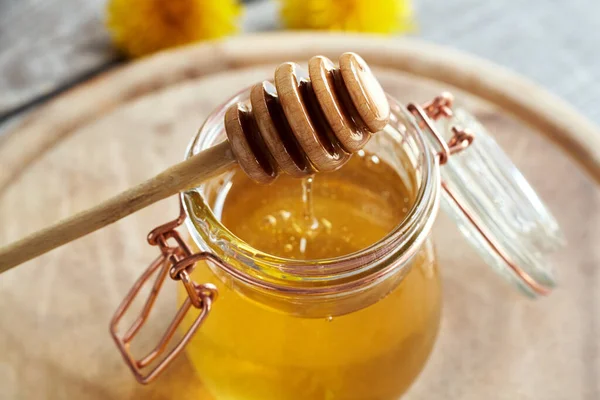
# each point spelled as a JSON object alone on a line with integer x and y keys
{"x": 386, "y": 255}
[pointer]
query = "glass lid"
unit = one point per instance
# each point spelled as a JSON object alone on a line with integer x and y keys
{"x": 494, "y": 206}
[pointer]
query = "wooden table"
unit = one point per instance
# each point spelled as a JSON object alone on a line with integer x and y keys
{"x": 129, "y": 124}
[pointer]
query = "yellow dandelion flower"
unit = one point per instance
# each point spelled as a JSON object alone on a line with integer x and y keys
{"x": 140, "y": 27}
{"x": 378, "y": 16}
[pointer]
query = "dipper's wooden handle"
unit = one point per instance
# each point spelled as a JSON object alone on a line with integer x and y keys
{"x": 177, "y": 178}
{"x": 303, "y": 124}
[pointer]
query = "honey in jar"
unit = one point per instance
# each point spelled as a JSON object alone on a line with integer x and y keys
{"x": 247, "y": 351}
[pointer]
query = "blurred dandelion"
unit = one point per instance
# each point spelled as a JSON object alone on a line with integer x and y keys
{"x": 141, "y": 27}
{"x": 378, "y": 16}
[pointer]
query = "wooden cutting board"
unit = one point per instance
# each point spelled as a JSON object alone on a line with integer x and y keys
{"x": 127, "y": 125}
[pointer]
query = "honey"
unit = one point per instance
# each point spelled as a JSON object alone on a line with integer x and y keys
{"x": 342, "y": 212}
{"x": 248, "y": 351}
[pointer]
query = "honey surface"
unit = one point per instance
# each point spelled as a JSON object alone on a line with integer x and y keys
{"x": 246, "y": 351}
{"x": 336, "y": 214}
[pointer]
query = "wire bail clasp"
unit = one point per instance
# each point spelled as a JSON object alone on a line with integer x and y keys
{"x": 441, "y": 107}
{"x": 176, "y": 261}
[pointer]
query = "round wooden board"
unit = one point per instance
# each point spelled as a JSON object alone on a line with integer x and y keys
{"x": 128, "y": 125}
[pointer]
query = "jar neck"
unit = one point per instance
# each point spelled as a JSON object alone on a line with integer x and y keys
{"x": 332, "y": 276}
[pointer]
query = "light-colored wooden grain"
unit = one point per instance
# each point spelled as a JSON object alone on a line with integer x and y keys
{"x": 177, "y": 178}
{"x": 241, "y": 139}
{"x": 283, "y": 153}
{"x": 322, "y": 76}
{"x": 288, "y": 78}
{"x": 56, "y": 309}
{"x": 365, "y": 92}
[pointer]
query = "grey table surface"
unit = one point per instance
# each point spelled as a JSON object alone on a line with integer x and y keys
{"x": 48, "y": 46}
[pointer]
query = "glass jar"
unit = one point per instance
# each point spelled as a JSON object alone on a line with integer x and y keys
{"x": 359, "y": 326}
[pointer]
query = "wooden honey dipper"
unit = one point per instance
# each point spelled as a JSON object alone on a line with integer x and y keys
{"x": 303, "y": 124}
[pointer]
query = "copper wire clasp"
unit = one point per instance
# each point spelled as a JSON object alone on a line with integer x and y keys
{"x": 177, "y": 261}
{"x": 441, "y": 107}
